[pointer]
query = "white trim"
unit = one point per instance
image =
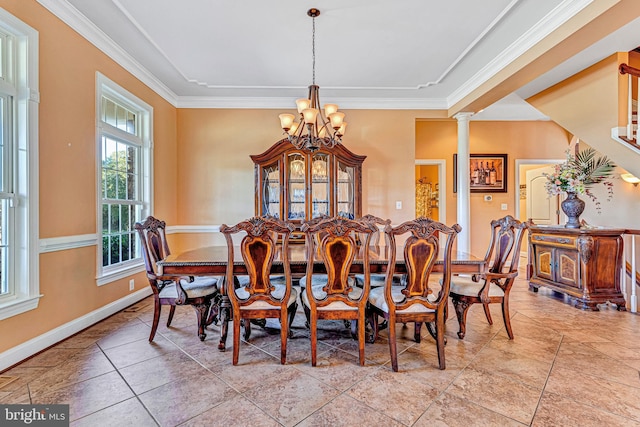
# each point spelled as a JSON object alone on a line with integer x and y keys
{"x": 176, "y": 229}
{"x": 53, "y": 244}
{"x": 286, "y": 102}
{"x": 551, "y": 22}
{"x": 614, "y": 135}
{"x": 20, "y": 352}
{"x": 442, "y": 185}
{"x": 121, "y": 273}
{"x": 18, "y": 306}
{"x": 87, "y": 29}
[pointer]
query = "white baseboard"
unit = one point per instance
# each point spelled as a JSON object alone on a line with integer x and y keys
{"x": 19, "y": 353}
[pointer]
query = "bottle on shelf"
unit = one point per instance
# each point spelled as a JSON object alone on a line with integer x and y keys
{"x": 475, "y": 175}
{"x": 487, "y": 178}
{"x": 481, "y": 174}
{"x": 493, "y": 178}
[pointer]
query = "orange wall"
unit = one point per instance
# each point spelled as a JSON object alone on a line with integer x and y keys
{"x": 68, "y": 65}
{"x": 519, "y": 140}
{"x": 216, "y": 181}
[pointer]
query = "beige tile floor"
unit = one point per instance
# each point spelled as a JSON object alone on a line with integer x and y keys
{"x": 566, "y": 367}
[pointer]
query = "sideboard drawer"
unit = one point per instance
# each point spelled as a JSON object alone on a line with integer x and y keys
{"x": 564, "y": 241}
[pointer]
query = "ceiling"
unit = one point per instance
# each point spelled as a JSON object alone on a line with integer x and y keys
{"x": 403, "y": 54}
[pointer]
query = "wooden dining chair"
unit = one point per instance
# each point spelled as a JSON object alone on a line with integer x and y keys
{"x": 376, "y": 279}
{"x": 336, "y": 297}
{"x": 418, "y": 299}
{"x": 499, "y": 270}
{"x": 199, "y": 292}
{"x": 259, "y": 297}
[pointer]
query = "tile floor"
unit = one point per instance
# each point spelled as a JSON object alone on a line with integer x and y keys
{"x": 566, "y": 367}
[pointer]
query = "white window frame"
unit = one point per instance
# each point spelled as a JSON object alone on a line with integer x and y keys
{"x": 144, "y": 112}
{"x": 22, "y": 82}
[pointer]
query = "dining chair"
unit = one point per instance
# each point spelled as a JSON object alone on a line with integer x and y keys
{"x": 419, "y": 298}
{"x": 197, "y": 291}
{"x": 376, "y": 279}
{"x": 259, "y": 297}
{"x": 498, "y": 272}
{"x": 335, "y": 297}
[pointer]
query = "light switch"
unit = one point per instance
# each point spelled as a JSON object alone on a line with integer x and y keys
{"x": 503, "y": 206}
{"x": 398, "y": 204}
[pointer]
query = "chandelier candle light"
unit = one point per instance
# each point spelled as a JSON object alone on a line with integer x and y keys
{"x": 322, "y": 129}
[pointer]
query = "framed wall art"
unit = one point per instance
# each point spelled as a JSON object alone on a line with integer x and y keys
{"x": 487, "y": 173}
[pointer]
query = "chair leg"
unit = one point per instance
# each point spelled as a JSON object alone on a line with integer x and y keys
{"x": 172, "y": 310}
{"x": 487, "y": 313}
{"x": 313, "y": 335}
{"x": 292, "y": 314}
{"x": 440, "y": 342}
{"x": 284, "y": 334}
{"x": 461, "y": 313}
{"x": 214, "y": 311}
{"x": 373, "y": 322}
{"x": 507, "y": 318}
{"x": 236, "y": 336}
{"x": 157, "y": 308}
{"x": 393, "y": 350}
{"x": 202, "y": 311}
{"x": 361, "y": 336}
{"x": 416, "y": 332}
{"x": 307, "y": 314}
{"x": 247, "y": 329}
{"x": 225, "y": 316}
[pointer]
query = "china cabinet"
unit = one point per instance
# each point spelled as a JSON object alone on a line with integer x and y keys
{"x": 295, "y": 184}
{"x": 582, "y": 263}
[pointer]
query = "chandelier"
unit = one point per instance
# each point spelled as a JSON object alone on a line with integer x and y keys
{"x": 315, "y": 128}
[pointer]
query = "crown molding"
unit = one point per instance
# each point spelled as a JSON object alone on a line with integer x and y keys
{"x": 78, "y": 22}
{"x": 289, "y": 103}
{"x": 561, "y": 14}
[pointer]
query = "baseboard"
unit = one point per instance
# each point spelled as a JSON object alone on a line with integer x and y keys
{"x": 19, "y": 353}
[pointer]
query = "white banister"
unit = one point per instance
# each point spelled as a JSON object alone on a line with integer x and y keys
{"x": 634, "y": 300}
{"x": 630, "y": 130}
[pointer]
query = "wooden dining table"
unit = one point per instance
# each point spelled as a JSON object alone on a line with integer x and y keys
{"x": 212, "y": 261}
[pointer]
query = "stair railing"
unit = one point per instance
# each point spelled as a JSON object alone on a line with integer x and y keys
{"x": 629, "y": 273}
{"x": 633, "y": 74}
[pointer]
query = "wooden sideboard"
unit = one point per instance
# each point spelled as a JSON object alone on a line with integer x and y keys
{"x": 583, "y": 263}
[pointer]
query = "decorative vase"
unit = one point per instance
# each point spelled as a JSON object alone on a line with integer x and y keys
{"x": 573, "y": 207}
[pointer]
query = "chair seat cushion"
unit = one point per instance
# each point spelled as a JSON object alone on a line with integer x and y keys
{"x": 467, "y": 287}
{"x": 378, "y": 279}
{"x": 321, "y": 279}
{"x": 377, "y": 299}
{"x": 278, "y": 293}
{"x": 320, "y": 294}
{"x": 200, "y": 287}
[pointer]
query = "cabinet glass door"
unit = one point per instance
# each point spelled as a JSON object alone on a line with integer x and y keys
{"x": 297, "y": 192}
{"x": 346, "y": 191}
{"x": 320, "y": 185}
{"x": 271, "y": 190}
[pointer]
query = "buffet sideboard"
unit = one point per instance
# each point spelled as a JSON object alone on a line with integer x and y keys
{"x": 582, "y": 263}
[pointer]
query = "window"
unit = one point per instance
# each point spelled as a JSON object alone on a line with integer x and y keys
{"x": 124, "y": 147}
{"x": 19, "y": 275}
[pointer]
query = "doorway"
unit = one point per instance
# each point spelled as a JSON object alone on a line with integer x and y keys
{"x": 532, "y": 201}
{"x": 431, "y": 189}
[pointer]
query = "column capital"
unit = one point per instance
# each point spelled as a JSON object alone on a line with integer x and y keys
{"x": 462, "y": 116}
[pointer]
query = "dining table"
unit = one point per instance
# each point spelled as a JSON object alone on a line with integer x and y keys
{"x": 213, "y": 260}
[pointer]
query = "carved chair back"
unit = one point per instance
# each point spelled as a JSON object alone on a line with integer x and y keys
{"x": 333, "y": 242}
{"x": 504, "y": 247}
{"x": 421, "y": 250}
{"x": 153, "y": 241}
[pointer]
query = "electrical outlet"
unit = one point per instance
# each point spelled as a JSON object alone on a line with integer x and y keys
{"x": 398, "y": 204}
{"x": 132, "y": 284}
{"x": 503, "y": 206}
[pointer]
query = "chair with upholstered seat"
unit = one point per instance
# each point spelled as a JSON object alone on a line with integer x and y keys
{"x": 499, "y": 271}
{"x": 335, "y": 297}
{"x": 200, "y": 292}
{"x": 260, "y": 297}
{"x": 418, "y": 299}
{"x": 376, "y": 279}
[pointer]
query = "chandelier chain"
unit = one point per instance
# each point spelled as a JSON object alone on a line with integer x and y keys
{"x": 313, "y": 50}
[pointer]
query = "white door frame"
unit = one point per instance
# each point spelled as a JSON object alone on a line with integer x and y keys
{"x": 520, "y": 162}
{"x": 442, "y": 185}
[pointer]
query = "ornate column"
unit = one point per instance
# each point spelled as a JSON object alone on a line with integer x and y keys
{"x": 463, "y": 181}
